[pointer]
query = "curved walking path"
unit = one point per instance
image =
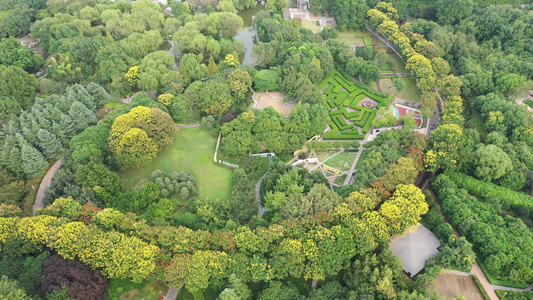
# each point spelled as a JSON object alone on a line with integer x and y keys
{"x": 44, "y": 184}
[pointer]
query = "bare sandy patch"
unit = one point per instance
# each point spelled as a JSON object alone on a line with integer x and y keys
{"x": 275, "y": 100}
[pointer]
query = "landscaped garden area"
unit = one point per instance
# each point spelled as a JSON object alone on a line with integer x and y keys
{"x": 356, "y": 37}
{"x": 350, "y": 120}
{"x": 410, "y": 92}
{"x": 192, "y": 151}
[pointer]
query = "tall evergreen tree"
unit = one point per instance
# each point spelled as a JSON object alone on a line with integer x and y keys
{"x": 64, "y": 129}
{"x": 98, "y": 93}
{"x": 33, "y": 161}
{"x": 49, "y": 143}
{"x": 81, "y": 116}
{"x": 5, "y": 152}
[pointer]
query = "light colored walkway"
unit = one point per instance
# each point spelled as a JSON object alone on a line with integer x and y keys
{"x": 260, "y": 208}
{"x": 188, "y": 126}
{"x": 44, "y": 184}
{"x": 352, "y": 168}
{"x": 172, "y": 294}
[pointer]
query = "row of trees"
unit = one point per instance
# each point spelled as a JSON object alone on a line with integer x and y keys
{"x": 206, "y": 262}
{"x": 503, "y": 242}
{"x": 431, "y": 70}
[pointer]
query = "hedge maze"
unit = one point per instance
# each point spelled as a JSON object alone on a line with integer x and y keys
{"x": 349, "y": 121}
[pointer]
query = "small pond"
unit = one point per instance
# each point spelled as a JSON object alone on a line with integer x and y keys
{"x": 247, "y": 34}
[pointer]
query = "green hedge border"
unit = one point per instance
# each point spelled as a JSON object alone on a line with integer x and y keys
{"x": 349, "y": 97}
{"x": 480, "y": 287}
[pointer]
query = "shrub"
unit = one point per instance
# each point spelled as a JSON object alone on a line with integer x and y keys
{"x": 175, "y": 183}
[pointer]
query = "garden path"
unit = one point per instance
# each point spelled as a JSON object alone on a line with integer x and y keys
{"x": 44, "y": 184}
{"x": 188, "y": 126}
{"x": 361, "y": 148}
{"x": 172, "y": 294}
{"x": 261, "y": 209}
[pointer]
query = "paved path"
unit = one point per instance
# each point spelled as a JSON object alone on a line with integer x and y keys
{"x": 352, "y": 169}
{"x": 189, "y": 126}
{"x": 172, "y": 294}
{"x": 44, "y": 184}
{"x": 261, "y": 209}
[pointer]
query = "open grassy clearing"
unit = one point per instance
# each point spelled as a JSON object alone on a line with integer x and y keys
{"x": 396, "y": 64}
{"x": 353, "y": 37}
{"x": 192, "y": 151}
{"x": 410, "y": 92}
{"x": 311, "y": 26}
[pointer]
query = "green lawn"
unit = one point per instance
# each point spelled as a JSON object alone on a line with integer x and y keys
{"x": 353, "y": 37}
{"x": 397, "y": 63}
{"x": 192, "y": 151}
{"x": 411, "y": 91}
{"x": 311, "y": 26}
{"x": 342, "y": 162}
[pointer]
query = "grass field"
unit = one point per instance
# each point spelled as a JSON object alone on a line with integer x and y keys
{"x": 353, "y": 37}
{"x": 397, "y": 63}
{"x": 410, "y": 92}
{"x": 311, "y": 26}
{"x": 192, "y": 151}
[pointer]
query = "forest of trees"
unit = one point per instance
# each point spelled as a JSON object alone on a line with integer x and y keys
{"x": 472, "y": 57}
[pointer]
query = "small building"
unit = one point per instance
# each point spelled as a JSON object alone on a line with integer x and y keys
{"x": 415, "y": 247}
{"x": 302, "y": 5}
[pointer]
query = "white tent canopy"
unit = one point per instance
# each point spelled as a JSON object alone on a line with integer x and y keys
{"x": 415, "y": 247}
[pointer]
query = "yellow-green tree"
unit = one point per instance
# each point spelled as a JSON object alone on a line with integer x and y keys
{"x": 165, "y": 99}
{"x": 404, "y": 208}
{"x": 136, "y": 137}
{"x": 133, "y": 76}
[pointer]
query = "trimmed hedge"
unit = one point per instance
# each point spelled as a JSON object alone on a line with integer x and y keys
{"x": 519, "y": 203}
{"x": 340, "y": 93}
{"x": 480, "y": 287}
{"x": 529, "y": 102}
{"x": 367, "y": 40}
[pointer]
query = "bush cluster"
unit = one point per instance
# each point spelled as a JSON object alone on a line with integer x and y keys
{"x": 181, "y": 183}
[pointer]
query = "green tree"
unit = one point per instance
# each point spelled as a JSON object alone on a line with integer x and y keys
{"x": 192, "y": 68}
{"x": 276, "y": 5}
{"x": 266, "y": 80}
{"x": 33, "y": 161}
{"x": 278, "y": 291}
{"x": 212, "y": 66}
{"x": 81, "y": 116}
{"x": 319, "y": 199}
{"x": 236, "y": 290}
{"x": 509, "y": 83}
{"x": 491, "y": 162}
{"x": 350, "y": 13}
{"x": 226, "y": 6}
{"x": 17, "y": 90}
{"x": 240, "y": 82}
{"x": 48, "y": 143}
{"x": 399, "y": 84}
{"x": 451, "y": 11}
{"x": 243, "y": 203}
{"x": 329, "y": 33}
{"x": 10, "y": 289}
{"x": 154, "y": 72}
